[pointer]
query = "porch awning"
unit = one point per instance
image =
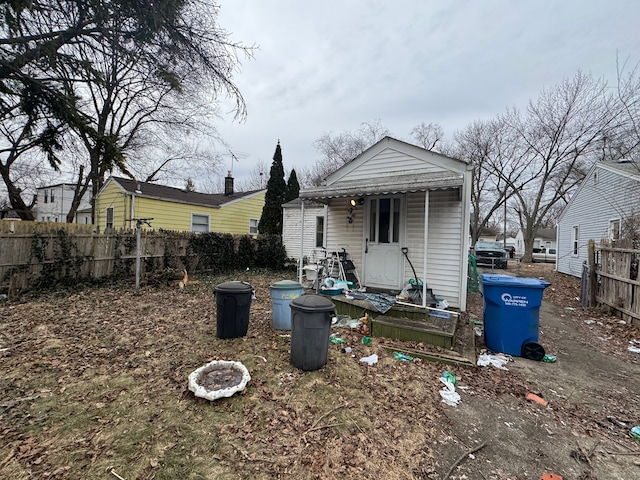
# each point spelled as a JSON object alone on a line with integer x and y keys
{"x": 384, "y": 186}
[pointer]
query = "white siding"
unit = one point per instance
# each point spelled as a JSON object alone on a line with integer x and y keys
{"x": 391, "y": 163}
{"x": 445, "y": 242}
{"x": 342, "y": 234}
{"x": 603, "y": 196}
{"x": 444, "y": 262}
{"x": 291, "y": 228}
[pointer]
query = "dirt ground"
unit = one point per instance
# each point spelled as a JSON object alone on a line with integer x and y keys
{"x": 593, "y": 392}
{"x": 93, "y": 384}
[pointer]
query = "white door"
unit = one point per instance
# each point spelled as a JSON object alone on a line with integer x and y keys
{"x": 383, "y": 231}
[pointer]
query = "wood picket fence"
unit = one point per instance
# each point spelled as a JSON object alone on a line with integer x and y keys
{"x": 612, "y": 278}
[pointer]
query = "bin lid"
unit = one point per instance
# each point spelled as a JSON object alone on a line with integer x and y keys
{"x": 500, "y": 280}
{"x": 234, "y": 287}
{"x": 286, "y": 285}
{"x": 313, "y": 303}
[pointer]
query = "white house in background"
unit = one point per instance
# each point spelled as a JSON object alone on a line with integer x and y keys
{"x": 545, "y": 237}
{"x": 315, "y": 227}
{"x": 608, "y": 195}
{"x": 407, "y": 199}
{"x": 54, "y": 202}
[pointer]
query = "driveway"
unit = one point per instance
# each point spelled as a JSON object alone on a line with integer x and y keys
{"x": 593, "y": 394}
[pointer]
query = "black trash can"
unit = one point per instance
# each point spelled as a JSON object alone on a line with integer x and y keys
{"x": 310, "y": 327}
{"x": 233, "y": 300}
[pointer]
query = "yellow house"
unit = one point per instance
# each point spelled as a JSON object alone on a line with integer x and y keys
{"x": 121, "y": 202}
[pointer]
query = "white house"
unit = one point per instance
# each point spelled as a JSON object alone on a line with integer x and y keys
{"x": 315, "y": 221}
{"x": 54, "y": 202}
{"x": 545, "y": 237}
{"x": 390, "y": 185}
{"x": 607, "y": 197}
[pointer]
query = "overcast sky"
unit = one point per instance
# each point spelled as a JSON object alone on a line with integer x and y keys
{"x": 330, "y": 66}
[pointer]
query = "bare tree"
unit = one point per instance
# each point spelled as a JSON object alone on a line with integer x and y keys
{"x": 257, "y": 178}
{"x": 337, "y": 150}
{"x": 560, "y": 136}
{"x": 489, "y": 147}
{"x": 429, "y": 136}
{"x": 113, "y": 72}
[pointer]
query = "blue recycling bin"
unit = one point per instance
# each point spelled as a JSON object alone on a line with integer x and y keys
{"x": 282, "y": 293}
{"x": 511, "y": 311}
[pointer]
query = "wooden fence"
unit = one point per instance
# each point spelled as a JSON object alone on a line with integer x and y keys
{"x": 29, "y": 261}
{"x": 612, "y": 278}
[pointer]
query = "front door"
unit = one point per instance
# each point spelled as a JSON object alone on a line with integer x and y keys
{"x": 383, "y": 231}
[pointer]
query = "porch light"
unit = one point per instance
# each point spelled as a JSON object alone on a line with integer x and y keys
{"x": 353, "y": 202}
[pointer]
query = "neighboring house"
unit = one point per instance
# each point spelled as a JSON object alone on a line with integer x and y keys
{"x": 545, "y": 237}
{"x": 609, "y": 195}
{"x": 390, "y": 184}
{"x": 54, "y": 202}
{"x": 315, "y": 220}
{"x": 120, "y": 202}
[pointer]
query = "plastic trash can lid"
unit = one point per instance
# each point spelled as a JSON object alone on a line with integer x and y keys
{"x": 234, "y": 287}
{"x": 285, "y": 285}
{"x": 313, "y": 303}
{"x": 509, "y": 281}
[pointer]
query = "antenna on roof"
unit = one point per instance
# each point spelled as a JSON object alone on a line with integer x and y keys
{"x": 233, "y": 157}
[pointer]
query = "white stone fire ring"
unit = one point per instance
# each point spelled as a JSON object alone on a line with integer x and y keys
{"x": 219, "y": 379}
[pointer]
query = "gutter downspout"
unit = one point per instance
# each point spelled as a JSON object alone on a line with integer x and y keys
{"x": 424, "y": 256}
{"x": 301, "y": 241}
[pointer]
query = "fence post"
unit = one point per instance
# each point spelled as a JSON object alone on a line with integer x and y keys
{"x": 593, "y": 285}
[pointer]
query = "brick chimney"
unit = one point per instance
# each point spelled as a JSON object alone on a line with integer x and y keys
{"x": 228, "y": 184}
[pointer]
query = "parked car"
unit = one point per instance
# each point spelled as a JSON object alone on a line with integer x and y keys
{"x": 544, "y": 255}
{"x": 490, "y": 253}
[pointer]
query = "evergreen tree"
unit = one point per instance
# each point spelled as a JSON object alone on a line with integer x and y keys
{"x": 271, "y": 220}
{"x": 293, "y": 187}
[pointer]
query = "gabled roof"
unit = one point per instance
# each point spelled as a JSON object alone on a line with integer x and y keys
{"x": 628, "y": 169}
{"x": 451, "y": 174}
{"x": 172, "y": 194}
{"x": 546, "y": 233}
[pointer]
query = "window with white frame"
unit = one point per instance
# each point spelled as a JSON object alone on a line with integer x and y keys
{"x": 52, "y": 195}
{"x": 253, "y": 226}
{"x": 109, "y": 217}
{"x": 199, "y": 223}
{"x": 574, "y": 240}
{"x": 614, "y": 229}
{"x": 46, "y": 196}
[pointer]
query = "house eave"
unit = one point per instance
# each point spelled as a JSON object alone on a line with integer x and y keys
{"x": 384, "y": 186}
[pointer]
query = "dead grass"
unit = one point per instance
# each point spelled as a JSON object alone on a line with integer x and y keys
{"x": 97, "y": 379}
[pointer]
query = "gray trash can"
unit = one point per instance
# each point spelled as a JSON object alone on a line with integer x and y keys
{"x": 233, "y": 300}
{"x": 310, "y": 327}
{"x": 282, "y": 293}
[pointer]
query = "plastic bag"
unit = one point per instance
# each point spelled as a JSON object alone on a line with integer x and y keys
{"x": 370, "y": 360}
{"x": 497, "y": 361}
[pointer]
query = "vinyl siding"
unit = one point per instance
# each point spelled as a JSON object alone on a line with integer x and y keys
{"x": 229, "y": 218}
{"x": 342, "y": 234}
{"x": 234, "y": 217}
{"x": 111, "y": 196}
{"x": 389, "y": 163}
{"x": 603, "y": 196}
{"x": 444, "y": 261}
{"x": 291, "y": 229}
